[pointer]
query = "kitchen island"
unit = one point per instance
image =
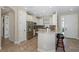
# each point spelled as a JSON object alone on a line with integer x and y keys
{"x": 46, "y": 41}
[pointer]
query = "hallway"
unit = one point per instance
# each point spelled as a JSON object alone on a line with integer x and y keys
{"x": 29, "y": 46}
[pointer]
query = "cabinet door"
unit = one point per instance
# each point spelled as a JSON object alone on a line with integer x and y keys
{"x": 55, "y": 19}
{"x": 29, "y": 18}
{"x": 51, "y": 20}
{"x": 40, "y": 22}
{"x": 46, "y": 20}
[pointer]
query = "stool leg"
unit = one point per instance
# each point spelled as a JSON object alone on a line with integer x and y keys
{"x": 57, "y": 44}
{"x": 56, "y": 47}
{"x": 63, "y": 46}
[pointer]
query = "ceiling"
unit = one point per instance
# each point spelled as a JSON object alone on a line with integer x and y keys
{"x": 49, "y": 10}
{"x": 5, "y": 10}
{"x": 46, "y": 10}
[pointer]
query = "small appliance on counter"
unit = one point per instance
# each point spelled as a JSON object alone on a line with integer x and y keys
{"x": 52, "y": 27}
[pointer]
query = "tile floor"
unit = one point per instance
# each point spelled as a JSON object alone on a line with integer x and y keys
{"x": 71, "y": 45}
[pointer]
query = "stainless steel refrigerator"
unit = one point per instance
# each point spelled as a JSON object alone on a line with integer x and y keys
{"x": 30, "y": 28}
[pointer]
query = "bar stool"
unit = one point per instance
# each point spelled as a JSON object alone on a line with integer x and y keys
{"x": 60, "y": 42}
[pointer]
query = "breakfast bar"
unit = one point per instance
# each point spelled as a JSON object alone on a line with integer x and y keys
{"x": 46, "y": 41}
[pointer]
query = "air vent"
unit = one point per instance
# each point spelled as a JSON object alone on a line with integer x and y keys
{"x": 38, "y": 17}
{"x": 29, "y": 13}
{"x": 54, "y": 12}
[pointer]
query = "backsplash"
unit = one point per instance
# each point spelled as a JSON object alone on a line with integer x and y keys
{"x": 52, "y": 27}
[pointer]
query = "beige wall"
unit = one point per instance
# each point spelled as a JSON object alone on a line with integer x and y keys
{"x": 15, "y": 33}
{"x": 78, "y": 26}
{"x": 11, "y": 15}
{"x": 15, "y": 9}
{"x": 11, "y": 26}
{"x": 59, "y": 23}
{"x": 0, "y": 27}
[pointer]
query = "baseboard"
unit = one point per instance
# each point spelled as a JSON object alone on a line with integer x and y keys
{"x": 72, "y": 38}
{"x": 77, "y": 38}
{"x": 18, "y": 42}
{"x": 42, "y": 50}
{"x": 11, "y": 40}
{"x": 0, "y": 47}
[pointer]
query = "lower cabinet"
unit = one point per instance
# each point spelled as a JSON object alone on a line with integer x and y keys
{"x": 29, "y": 35}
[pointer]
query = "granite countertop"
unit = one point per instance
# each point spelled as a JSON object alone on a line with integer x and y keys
{"x": 44, "y": 31}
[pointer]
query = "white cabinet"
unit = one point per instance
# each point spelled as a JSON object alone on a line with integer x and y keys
{"x": 40, "y": 21}
{"x": 54, "y": 19}
{"x": 34, "y": 19}
{"x": 51, "y": 20}
{"x": 29, "y": 18}
{"x": 45, "y": 41}
{"x": 46, "y": 20}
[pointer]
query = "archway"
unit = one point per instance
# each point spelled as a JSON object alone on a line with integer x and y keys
{"x": 7, "y": 25}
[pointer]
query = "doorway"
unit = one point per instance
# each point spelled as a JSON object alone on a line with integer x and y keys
{"x": 69, "y": 24}
{"x": 7, "y": 26}
{"x": 62, "y": 25}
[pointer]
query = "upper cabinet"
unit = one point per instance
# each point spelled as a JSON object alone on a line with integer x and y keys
{"x": 29, "y": 18}
{"x": 54, "y": 19}
{"x": 40, "y": 21}
{"x": 46, "y": 20}
{"x": 34, "y": 19}
{"x": 51, "y": 20}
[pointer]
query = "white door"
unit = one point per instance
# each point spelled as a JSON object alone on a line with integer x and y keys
{"x": 22, "y": 26}
{"x": 71, "y": 26}
{"x": 6, "y": 26}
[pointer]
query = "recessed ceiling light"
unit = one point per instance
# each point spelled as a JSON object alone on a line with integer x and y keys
{"x": 50, "y": 6}
{"x": 25, "y": 8}
{"x": 71, "y": 9}
{"x": 3, "y": 8}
